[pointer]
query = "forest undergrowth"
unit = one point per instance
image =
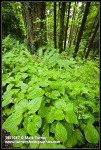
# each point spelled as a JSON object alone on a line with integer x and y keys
{"x": 49, "y": 95}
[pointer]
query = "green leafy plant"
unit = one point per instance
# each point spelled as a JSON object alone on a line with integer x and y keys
{"x": 45, "y": 98}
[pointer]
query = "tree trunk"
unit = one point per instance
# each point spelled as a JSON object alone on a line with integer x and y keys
{"x": 61, "y": 35}
{"x": 34, "y": 19}
{"x": 81, "y": 28}
{"x": 91, "y": 41}
{"x": 28, "y": 23}
{"x": 55, "y": 25}
{"x": 67, "y": 26}
{"x": 97, "y": 52}
{"x": 43, "y": 31}
{"x": 96, "y": 18}
{"x": 72, "y": 26}
{"x": 75, "y": 37}
{"x": 79, "y": 15}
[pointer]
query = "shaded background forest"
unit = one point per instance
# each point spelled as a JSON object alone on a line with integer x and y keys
{"x": 71, "y": 27}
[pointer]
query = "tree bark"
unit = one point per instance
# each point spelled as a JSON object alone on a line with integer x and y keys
{"x": 61, "y": 35}
{"x": 72, "y": 26}
{"x": 43, "y": 31}
{"x": 96, "y": 18}
{"x": 67, "y": 26}
{"x": 75, "y": 37}
{"x": 34, "y": 19}
{"x": 55, "y": 46}
{"x": 28, "y": 23}
{"x": 91, "y": 41}
{"x": 81, "y": 28}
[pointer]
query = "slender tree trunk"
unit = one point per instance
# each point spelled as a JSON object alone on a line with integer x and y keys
{"x": 82, "y": 8}
{"x": 96, "y": 18}
{"x": 74, "y": 42}
{"x": 72, "y": 26}
{"x": 67, "y": 26}
{"x": 97, "y": 52}
{"x": 55, "y": 25}
{"x": 91, "y": 41}
{"x": 61, "y": 36}
{"x": 58, "y": 23}
{"x": 43, "y": 40}
{"x": 81, "y": 28}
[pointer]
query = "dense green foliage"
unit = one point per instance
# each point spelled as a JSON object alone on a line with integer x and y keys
{"x": 50, "y": 95}
{"x": 50, "y": 99}
{"x": 12, "y": 22}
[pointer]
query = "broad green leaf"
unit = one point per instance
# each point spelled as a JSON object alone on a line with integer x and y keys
{"x": 33, "y": 145}
{"x": 24, "y": 69}
{"x": 46, "y": 132}
{"x": 10, "y": 79}
{"x": 47, "y": 144}
{"x": 34, "y": 125}
{"x": 16, "y": 69}
{"x": 15, "y": 91}
{"x": 60, "y": 132}
{"x": 76, "y": 91}
{"x": 24, "y": 87}
{"x": 52, "y": 127}
{"x": 91, "y": 134}
{"x": 71, "y": 141}
{"x": 56, "y": 84}
{"x": 49, "y": 117}
{"x": 84, "y": 90}
{"x": 69, "y": 85}
{"x": 21, "y": 133}
{"x": 4, "y": 79}
{"x": 37, "y": 120}
{"x": 21, "y": 106}
{"x": 44, "y": 145}
{"x": 18, "y": 78}
{"x": 45, "y": 83}
{"x": 9, "y": 87}
{"x": 71, "y": 117}
{"x": 27, "y": 119}
{"x": 69, "y": 106}
{"x": 58, "y": 114}
{"x": 37, "y": 92}
{"x": 54, "y": 94}
{"x": 34, "y": 104}
{"x": 43, "y": 111}
{"x": 83, "y": 127}
{"x": 19, "y": 84}
{"x": 92, "y": 105}
{"x": 60, "y": 104}
{"x": 51, "y": 145}
{"x": 69, "y": 127}
{"x": 88, "y": 118}
{"x": 7, "y": 98}
{"x": 61, "y": 90}
{"x": 24, "y": 75}
{"x": 20, "y": 96}
{"x": 11, "y": 123}
{"x": 79, "y": 135}
{"x": 8, "y": 111}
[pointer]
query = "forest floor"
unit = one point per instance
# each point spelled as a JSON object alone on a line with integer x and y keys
{"x": 5, "y": 145}
{"x": 5, "y": 133}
